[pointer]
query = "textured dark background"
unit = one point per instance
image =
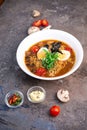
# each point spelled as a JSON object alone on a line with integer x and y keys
{"x": 15, "y": 18}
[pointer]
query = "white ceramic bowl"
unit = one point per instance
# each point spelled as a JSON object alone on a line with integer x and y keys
{"x": 45, "y": 35}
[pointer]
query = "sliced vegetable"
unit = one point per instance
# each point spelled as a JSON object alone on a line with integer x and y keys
{"x": 64, "y": 56}
{"x": 49, "y": 61}
{"x": 35, "y": 49}
{"x": 54, "y": 110}
{"x": 41, "y": 71}
{"x": 14, "y": 100}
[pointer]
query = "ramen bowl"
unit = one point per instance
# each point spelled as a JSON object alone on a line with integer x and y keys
{"x": 59, "y": 35}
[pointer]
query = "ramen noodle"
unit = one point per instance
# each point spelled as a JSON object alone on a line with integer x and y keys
{"x": 50, "y": 58}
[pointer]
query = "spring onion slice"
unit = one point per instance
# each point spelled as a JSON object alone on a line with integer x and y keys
{"x": 49, "y": 61}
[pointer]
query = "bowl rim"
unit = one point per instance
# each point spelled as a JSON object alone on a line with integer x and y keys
{"x": 36, "y": 87}
{"x": 11, "y": 93}
{"x": 49, "y": 31}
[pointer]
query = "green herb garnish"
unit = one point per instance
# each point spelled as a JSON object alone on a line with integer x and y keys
{"x": 15, "y": 99}
{"x": 49, "y": 61}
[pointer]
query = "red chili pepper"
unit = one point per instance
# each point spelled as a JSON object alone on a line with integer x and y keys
{"x": 41, "y": 72}
{"x": 15, "y": 98}
{"x": 12, "y": 99}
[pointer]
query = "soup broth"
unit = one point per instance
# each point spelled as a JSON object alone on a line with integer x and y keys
{"x": 50, "y": 58}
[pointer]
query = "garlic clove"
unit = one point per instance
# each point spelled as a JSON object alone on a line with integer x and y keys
{"x": 35, "y": 13}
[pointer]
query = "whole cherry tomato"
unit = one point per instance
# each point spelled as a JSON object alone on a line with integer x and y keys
{"x": 54, "y": 110}
{"x": 44, "y": 22}
{"x": 35, "y": 49}
{"x": 41, "y": 71}
{"x": 37, "y": 23}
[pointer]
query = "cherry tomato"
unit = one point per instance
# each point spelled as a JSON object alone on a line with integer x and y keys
{"x": 41, "y": 72}
{"x": 54, "y": 110}
{"x": 44, "y": 22}
{"x": 68, "y": 49}
{"x": 37, "y": 23}
{"x": 35, "y": 49}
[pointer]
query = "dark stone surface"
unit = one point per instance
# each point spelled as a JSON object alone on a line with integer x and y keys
{"x": 15, "y": 18}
